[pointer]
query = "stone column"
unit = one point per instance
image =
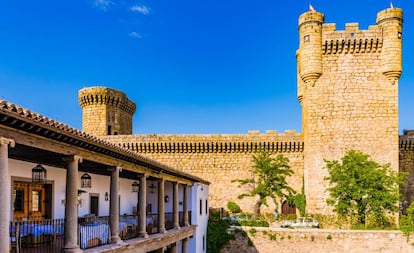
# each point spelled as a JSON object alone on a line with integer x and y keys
{"x": 142, "y": 207}
{"x": 5, "y": 193}
{"x": 184, "y": 244}
{"x": 71, "y": 208}
{"x": 174, "y": 248}
{"x": 185, "y": 205}
{"x": 161, "y": 206}
{"x": 161, "y": 250}
{"x": 114, "y": 204}
{"x": 175, "y": 205}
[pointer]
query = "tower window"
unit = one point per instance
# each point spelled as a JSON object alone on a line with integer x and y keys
{"x": 306, "y": 38}
{"x": 109, "y": 130}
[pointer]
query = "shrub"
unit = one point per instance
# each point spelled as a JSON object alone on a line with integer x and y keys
{"x": 407, "y": 221}
{"x": 254, "y": 223}
{"x": 233, "y": 207}
{"x": 217, "y": 235}
{"x": 250, "y": 243}
{"x": 252, "y": 231}
{"x": 329, "y": 237}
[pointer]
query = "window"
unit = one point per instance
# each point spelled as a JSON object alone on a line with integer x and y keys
{"x": 36, "y": 200}
{"x": 204, "y": 243}
{"x": 18, "y": 200}
{"x": 201, "y": 206}
{"x": 206, "y": 206}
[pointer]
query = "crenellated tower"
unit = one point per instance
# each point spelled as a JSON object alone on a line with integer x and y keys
{"x": 106, "y": 111}
{"x": 348, "y": 89}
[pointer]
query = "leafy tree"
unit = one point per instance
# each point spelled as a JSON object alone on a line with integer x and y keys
{"x": 233, "y": 207}
{"x": 363, "y": 189}
{"x": 269, "y": 179}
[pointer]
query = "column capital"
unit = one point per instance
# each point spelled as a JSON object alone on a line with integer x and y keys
{"x": 114, "y": 168}
{"x": 7, "y": 141}
{"x": 73, "y": 158}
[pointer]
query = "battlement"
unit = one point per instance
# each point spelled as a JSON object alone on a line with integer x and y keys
{"x": 105, "y": 111}
{"x": 407, "y": 141}
{"x": 100, "y": 95}
{"x": 290, "y": 141}
{"x": 351, "y": 40}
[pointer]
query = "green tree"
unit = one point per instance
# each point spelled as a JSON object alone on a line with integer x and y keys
{"x": 268, "y": 180}
{"x": 363, "y": 189}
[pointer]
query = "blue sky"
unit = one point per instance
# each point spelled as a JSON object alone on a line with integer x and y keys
{"x": 218, "y": 66}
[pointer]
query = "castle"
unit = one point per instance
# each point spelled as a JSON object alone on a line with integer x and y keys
{"x": 347, "y": 86}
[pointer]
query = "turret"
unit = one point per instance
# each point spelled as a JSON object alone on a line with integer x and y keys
{"x": 390, "y": 21}
{"x": 106, "y": 111}
{"x": 310, "y": 46}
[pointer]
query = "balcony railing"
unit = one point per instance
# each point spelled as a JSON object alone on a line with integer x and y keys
{"x": 47, "y": 236}
{"x": 93, "y": 231}
{"x": 37, "y": 236}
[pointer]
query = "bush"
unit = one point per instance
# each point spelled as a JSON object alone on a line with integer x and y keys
{"x": 217, "y": 235}
{"x": 253, "y": 231}
{"x": 254, "y": 223}
{"x": 250, "y": 243}
{"x": 407, "y": 221}
{"x": 233, "y": 207}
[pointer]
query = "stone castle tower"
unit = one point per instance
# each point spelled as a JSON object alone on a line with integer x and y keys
{"x": 348, "y": 90}
{"x": 105, "y": 111}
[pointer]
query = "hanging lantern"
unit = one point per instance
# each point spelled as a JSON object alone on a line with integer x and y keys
{"x": 135, "y": 187}
{"x": 39, "y": 174}
{"x": 86, "y": 181}
{"x": 152, "y": 188}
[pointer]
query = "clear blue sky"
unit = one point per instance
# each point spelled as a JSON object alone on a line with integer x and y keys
{"x": 218, "y": 66}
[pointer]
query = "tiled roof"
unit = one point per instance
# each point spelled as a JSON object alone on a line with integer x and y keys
{"x": 49, "y": 128}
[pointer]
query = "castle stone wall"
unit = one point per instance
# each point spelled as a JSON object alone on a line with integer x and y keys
{"x": 105, "y": 111}
{"x": 348, "y": 89}
{"x": 407, "y": 165}
{"x": 350, "y": 100}
{"x": 219, "y": 158}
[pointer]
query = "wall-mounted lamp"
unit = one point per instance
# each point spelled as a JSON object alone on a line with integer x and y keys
{"x": 152, "y": 188}
{"x": 86, "y": 181}
{"x": 106, "y": 196}
{"x": 135, "y": 186}
{"x": 166, "y": 198}
{"x": 39, "y": 174}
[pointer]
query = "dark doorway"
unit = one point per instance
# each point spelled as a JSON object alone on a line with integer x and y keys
{"x": 94, "y": 207}
{"x": 288, "y": 208}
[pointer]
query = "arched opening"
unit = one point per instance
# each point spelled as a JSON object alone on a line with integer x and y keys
{"x": 288, "y": 208}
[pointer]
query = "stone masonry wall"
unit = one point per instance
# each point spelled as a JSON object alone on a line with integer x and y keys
{"x": 407, "y": 165}
{"x": 105, "y": 111}
{"x": 320, "y": 240}
{"x": 219, "y": 158}
{"x": 349, "y": 96}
